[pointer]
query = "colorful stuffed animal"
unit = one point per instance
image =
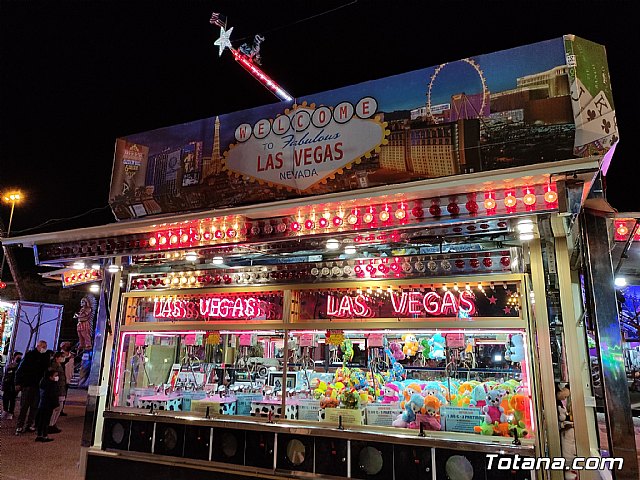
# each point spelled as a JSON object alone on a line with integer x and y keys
{"x": 413, "y": 407}
{"x": 409, "y": 391}
{"x": 347, "y": 350}
{"x": 396, "y": 351}
{"x": 519, "y": 404}
{"x": 424, "y": 348}
{"x": 411, "y": 345}
{"x": 320, "y": 390}
{"x": 436, "y": 347}
{"x": 432, "y": 410}
{"x": 484, "y": 429}
{"x": 350, "y": 399}
{"x": 479, "y": 395}
{"x": 516, "y": 351}
{"x": 434, "y": 389}
{"x": 391, "y": 393}
{"x": 493, "y": 412}
{"x": 358, "y": 380}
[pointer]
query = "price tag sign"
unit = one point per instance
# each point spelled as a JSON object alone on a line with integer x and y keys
{"x": 307, "y": 340}
{"x": 140, "y": 340}
{"x": 213, "y": 338}
{"x": 190, "y": 339}
{"x": 375, "y": 340}
{"x": 335, "y": 337}
{"x": 455, "y": 340}
{"x": 248, "y": 340}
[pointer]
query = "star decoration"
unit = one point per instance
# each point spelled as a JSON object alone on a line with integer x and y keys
{"x": 492, "y": 300}
{"x": 224, "y": 40}
{"x": 509, "y": 292}
{"x": 507, "y": 310}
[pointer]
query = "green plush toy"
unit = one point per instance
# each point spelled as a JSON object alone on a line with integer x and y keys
{"x": 484, "y": 428}
{"x": 350, "y": 399}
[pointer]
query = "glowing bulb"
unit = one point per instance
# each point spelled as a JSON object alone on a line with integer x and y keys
{"x": 295, "y": 226}
{"x": 184, "y": 280}
{"x": 401, "y": 213}
{"x": 529, "y": 199}
{"x": 622, "y": 230}
{"x": 309, "y": 224}
{"x": 444, "y": 287}
{"x": 332, "y": 244}
{"x": 352, "y": 219}
{"x": 184, "y": 238}
{"x": 153, "y": 241}
{"x": 337, "y": 221}
{"x": 191, "y": 256}
{"x": 113, "y": 269}
{"x": 175, "y": 280}
{"x": 173, "y": 239}
{"x": 510, "y": 201}
{"x": 323, "y": 222}
{"x": 95, "y": 288}
{"x": 525, "y": 237}
{"x": 350, "y": 250}
{"x": 217, "y": 260}
{"x": 525, "y": 226}
{"x": 550, "y": 196}
{"x": 620, "y": 281}
{"x": 489, "y": 203}
{"x": 384, "y": 215}
{"x": 367, "y": 217}
{"x": 79, "y": 265}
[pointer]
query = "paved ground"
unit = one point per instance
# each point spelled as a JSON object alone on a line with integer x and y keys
{"x": 21, "y": 458}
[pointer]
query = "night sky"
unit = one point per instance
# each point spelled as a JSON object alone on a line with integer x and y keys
{"x": 74, "y": 76}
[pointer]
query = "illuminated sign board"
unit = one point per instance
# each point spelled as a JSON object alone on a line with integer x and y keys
{"x": 219, "y": 307}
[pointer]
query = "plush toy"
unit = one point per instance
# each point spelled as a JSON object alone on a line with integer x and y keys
{"x": 479, "y": 395}
{"x": 409, "y": 391}
{"x": 347, "y": 350}
{"x": 358, "y": 380}
{"x": 398, "y": 372}
{"x": 434, "y": 389}
{"x": 391, "y": 393}
{"x": 517, "y": 349}
{"x": 413, "y": 406}
{"x": 484, "y": 429}
{"x": 350, "y": 399}
{"x": 519, "y": 405}
{"x": 432, "y": 410}
{"x": 436, "y": 347}
{"x": 493, "y": 412}
{"x": 328, "y": 402}
{"x": 342, "y": 375}
{"x": 396, "y": 351}
{"x": 564, "y": 418}
{"x": 424, "y": 348}
{"x": 467, "y": 387}
{"x": 320, "y": 390}
{"x": 411, "y": 345}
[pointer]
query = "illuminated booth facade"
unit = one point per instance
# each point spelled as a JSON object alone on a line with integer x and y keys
{"x": 363, "y": 293}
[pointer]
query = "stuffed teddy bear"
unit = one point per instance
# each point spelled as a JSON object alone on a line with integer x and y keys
{"x": 432, "y": 410}
{"x": 436, "y": 347}
{"x": 391, "y": 393}
{"x": 413, "y": 406}
{"x": 411, "y": 345}
{"x": 516, "y": 351}
{"x": 409, "y": 391}
{"x": 493, "y": 412}
{"x": 434, "y": 389}
{"x": 519, "y": 406}
{"x": 479, "y": 395}
{"x": 396, "y": 351}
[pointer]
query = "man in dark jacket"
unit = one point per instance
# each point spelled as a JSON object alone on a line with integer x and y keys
{"x": 47, "y": 404}
{"x": 31, "y": 370}
{"x": 9, "y": 386}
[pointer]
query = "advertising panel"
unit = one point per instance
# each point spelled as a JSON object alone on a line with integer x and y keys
{"x": 511, "y": 108}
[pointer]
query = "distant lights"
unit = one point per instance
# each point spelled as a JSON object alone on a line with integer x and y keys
{"x": 113, "y": 268}
{"x": 191, "y": 256}
{"x": 525, "y": 237}
{"x": 79, "y": 265}
{"x": 352, "y": 219}
{"x": 173, "y": 239}
{"x": 384, "y": 215}
{"x": 309, "y": 224}
{"x": 620, "y": 282}
{"x": 94, "y": 288}
{"x": 510, "y": 200}
{"x": 490, "y": 202}
{"x": 323, "y": 222}
{"x": 295, "y": 226}
{"x": 337, "y": 221}
{"x": 95, "y": 266}
{"x": 529, "y": 199}
{"x": 332, "y": 244}
{"x": 349, "y": 250}
{"x": 153, "y": 241}
{"x": 622, "y": 230}
{"x": 400, "y": 214}
{"x": 217, "y": 260}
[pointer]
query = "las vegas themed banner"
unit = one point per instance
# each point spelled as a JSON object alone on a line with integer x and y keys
{"x": 542, "y": 102}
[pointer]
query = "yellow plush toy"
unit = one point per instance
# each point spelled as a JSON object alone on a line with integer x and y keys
{"x": 411, "y": 345}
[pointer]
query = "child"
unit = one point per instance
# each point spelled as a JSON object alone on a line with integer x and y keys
{"x": 48, "y": 403}
{"x": 9, "y": 386}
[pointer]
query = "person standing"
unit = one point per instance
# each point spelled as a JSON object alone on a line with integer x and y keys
{"x": 9, "y": 386}
{"x": 56, "y": 364}
{"x": 47, "y": 404}
{"x": 69, "y": 367}
{"x": 28, "y": 376}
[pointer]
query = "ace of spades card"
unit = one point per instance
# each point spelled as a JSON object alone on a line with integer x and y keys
{"x": 597, "y": 122}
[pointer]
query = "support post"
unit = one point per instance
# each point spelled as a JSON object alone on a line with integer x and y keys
{"x": 604, "y": 314}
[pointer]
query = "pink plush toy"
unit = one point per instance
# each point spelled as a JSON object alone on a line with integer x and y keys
{"x": 391, "y": 393}
{"x": 396, "y": 350}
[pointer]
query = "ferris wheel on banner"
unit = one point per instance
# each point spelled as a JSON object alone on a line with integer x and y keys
{"x": 462, "y": 106}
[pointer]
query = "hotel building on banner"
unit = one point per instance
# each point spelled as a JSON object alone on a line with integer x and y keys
{"x": 328, "y": 288}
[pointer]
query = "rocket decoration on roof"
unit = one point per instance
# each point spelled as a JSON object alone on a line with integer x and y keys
{"x": 248, "y": 56}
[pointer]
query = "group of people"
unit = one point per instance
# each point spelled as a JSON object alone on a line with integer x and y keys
{"x": 42, "y": 378}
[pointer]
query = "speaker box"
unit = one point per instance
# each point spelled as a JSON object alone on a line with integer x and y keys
{"x": 260, "y": 449}
{"x": 460, "y": 464}
{"x": 371, "y": 460}
{"x": 169, "y": 439}
{"x": 295, "y": 452}
{"x": 116, "y": 434}
{"x": 197, "y": 441}
{"x": 228, "y": 446}
{"x": 141, "y": 437}
{"x": 331, "y": 456}
{"x": 411, "y": 462}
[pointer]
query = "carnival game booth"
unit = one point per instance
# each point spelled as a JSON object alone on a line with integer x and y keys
{"x": 391, "y": 323}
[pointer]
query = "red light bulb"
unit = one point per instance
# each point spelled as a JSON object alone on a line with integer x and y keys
{"x": 323, "y": 222}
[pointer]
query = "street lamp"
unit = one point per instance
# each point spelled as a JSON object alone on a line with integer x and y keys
{"x": 12, "y": 197}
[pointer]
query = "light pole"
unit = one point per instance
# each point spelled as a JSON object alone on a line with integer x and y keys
{"x": 12, "y": 198}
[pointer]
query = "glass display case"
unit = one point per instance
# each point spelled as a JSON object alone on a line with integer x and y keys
{"x": 440, "y": 359}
